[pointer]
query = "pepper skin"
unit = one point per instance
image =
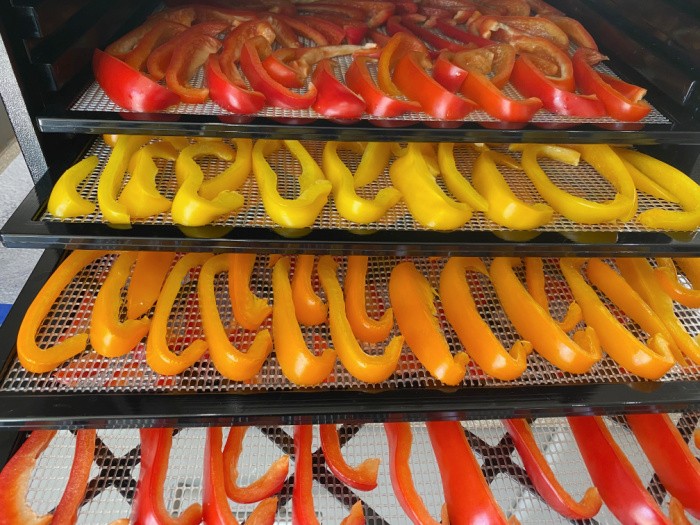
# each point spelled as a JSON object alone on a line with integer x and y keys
{"x": 65, "y": 201}
{"x": 191, "y": 52}
{"x": 645, "y": 184}
{"x": 363, "y": 477}
{"x": 490, "y": 98}
{"x": 158, "y": 356}
{"x": 457, "y": 183}
{"x": 297, "y": 362}
{"x": 534, "y": 277}
{"x": 367, "y": 368}
{"x": 67, "y": 510}
{"x": 363, "y": 326}
{"x": 146, "y": 281}
{"x": 356, "y": 516}
{"x": 302, "y": 495}
{"x": 228, "y": 360}
{"x": 302, "y": 211}
{"x": 308, "y": 306}
{"x": 249, "y": 310}
{"x": 398, "y": 45}
{"x": 334, "y": 99}
{"x": 412, "y": 300}
{"x": 474, "y": 333}
{"x": 234, "y": 176}
{"x": 33, "y": 358}
{"x": 667, "y": 277}
{"x": 533, "y": 322}
{"x": 231, "y": 95}
{"x": 375, "y": 159}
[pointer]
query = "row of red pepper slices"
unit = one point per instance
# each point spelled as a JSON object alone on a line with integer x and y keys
{"x": 469, "y": 70}
{"x": 468, "y": 497}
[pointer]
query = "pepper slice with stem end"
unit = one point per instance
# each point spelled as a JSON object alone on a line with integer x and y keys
{"x": 457, "y": 183}
{"x": 363, "y": 326}
{"x": 534, "y": 278}
{"x": 302, "y": 495}
{"x": 249, "y": 310}
{"x": 146, "y": 281}
{"x": 65, "y": 201}
{"x": 667, "y": 277}
{"x": 67, "y": 510}
{"x": 363, "y": 477}
{"x": 140, "y": 196}
{"x": 308, "y": 306}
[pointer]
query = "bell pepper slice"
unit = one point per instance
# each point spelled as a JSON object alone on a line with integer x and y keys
{"x": 650, "y": 361}
{"x": 335, "y": 9}
{"x": 126, "y": 44}
{"x": 398, "y": 45}
{"x": 65, "y": 201}
{"x": 302, "y": 493}
{"x": 377, "y": 12}
{"x": 543, "y": 8}
{"x": 667, "y": 277}
{"x": 67, "y": 510}
{"x": 537, "y": 326}
{"x": 230, "y": 95}
{"x": 308, "y": 306}
{"x": 159, "y": 32}
{"x": 426, "y": 35}
{"x": 235, "y": 175}
{"x": 149, "y": 506}
{"x": 333, "y": 32}
{"x": 446, "y": 73}
{"x": 645, "y": 184}
{"x": 400, "y": 439}
{"x": 534, "y": 278}
{"x": 676, "y": 512}
{"x": 504, "y": 207}
{"x": 249, "y": 310}
{"x": 544, "y": 480}
{"x": 308, "y": 31}
{"x": 448, "y": 28}
{"x": 268, "y": 484}
{"x": 363, "y": 326}
{"x": 33, "y": 358}
{"x": 284, "y": 33}
{"x": 375, "y": 159}
{"x": 467, "y": 494}
{"x": 533, "y": 26}
{"x": 457, "y": 183}
{"x": 297, "y": 362}
{"x": 363, "y": 477}
{"x": 314, "y": 188}
{"x": 146, "y": 281}
{"x": 613, "y": 474}
{"x": 367, "y": 368}
{"x": 228, "y": 360}
{"x": 334, "y": 98}
{"x": 108, "y": 335}
{"x": 412, "y": 300}
{"x": 474, "y": 333}
{"x": 356, "y": 516}
{"x": 574, "y": 30}
{"x": 158, "y": 356}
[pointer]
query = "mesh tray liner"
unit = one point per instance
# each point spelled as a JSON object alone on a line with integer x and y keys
{"x": 115, "y": 471}
{"x": 130, "y": 373}
{"x": 582, "y": 181}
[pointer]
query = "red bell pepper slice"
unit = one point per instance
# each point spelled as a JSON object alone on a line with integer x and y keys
{"x": 127, "y": 87}
{"x": 630, "y": 91}
{"x": 233, "y": 17}
{"x": 304, "y": 29}
{"x": 613, "y": 474}
{"x": 233, "y": 44}
{"x": 284, "y": 33}
{"x": 134, "y": 47}
{"x": 405, "y": 7}
{"x": 230, "y": 96}
{"x": 480, "y": 89}
{"x": 448, "y": 74}
{"x": 507, "y": 26}
{"x": 575, "y": 31}
{"x": 543, "y": 478}
{"x": 334, "y": 99}
{"x": 189, "y": 56}
{"x": 668, "y": 453}
{"x": 281, "y": 72}
{"x": 377, "y": 12}
{"x": 428, "y": 36}
{"x": 67, "y": 509}
{"x": 381, "y": 39}
{"x": 399, "y": 45}
{"x": 302, "y": 493}
{"x": 335, "y": 10}
{"x": 333, "y": 32}
{"x": 676, "y": 512}
{"x": 362, "y": 477}
{"x": 356, "y": 516}
{"x": 454, "y": 32}
{"x": 553, "y": 62}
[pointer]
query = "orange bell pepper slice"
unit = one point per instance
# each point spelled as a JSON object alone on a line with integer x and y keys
{"x": 412, "y": 299}
{"x": 309, "y": 307}
{"x": 297, "y": 362}
{"x": 667, "y": 277}
{"x": 108, "y": 335}
{"x": 249, "y": 310}
{"x": 356, "y": 516}
{"x": 158, "y": 356}
{"x": 363, "y": 326}
{"x": 362, "y": 477}
{"x": 473, "y": 332}
{"x": 367, "y": 368}
{"x": 228, "y": 360}
{"x": 534, "y": 322}
{"x": 534, "y": 278}
{"x": 146, "y": 281}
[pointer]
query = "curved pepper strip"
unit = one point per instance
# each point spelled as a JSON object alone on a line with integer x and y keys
{"x": 613, "y": 474}
{"x": 334, "y": 98}
{"x": 230, "y": 95}
{"x": 534, "y": 277}
{"x": 146, "y": 281}
{"x": 108, "y": 335}
{"x": 356, "y": 516}
{"x": 375, "y": 159}
{"x": 363, "y": 326}
{"x": 534, "y": 323}
{"x": 398, "y": 45}
{"x": 67, "y": 510}
{"x": 367, "y": 368}
{"x": 189, "y": 55}
{"x": 314, "y": 188}
{"x": 457, "y": 183}
{"x": 33, "y": 358}
{"x": 544, "y": 479}
{"x": 159, "y": 32}
{"x": 490, "y": 98}
{"x": 249, "y": 310}
{"x": 412, "y": 300}
{"x": 363, "y": 477}
{"x": 650, "y": 361}
{"x": 297, "y": 362}
{"x": 302, "y": 493}
{"x": 691, "y": 269}
{"x": 235, "y": 175}
{"x": 474, "y": 333}
{"x": 645, "y": 184}
{"x": 158, "y": 356}
{"x": 228, "y": 360}
{"x": 140, "y": 196}
{"x": 268, "y": 484}
{"x": 667, "y": 277}
{"x": 349, "y": 204}
{"x": 65, "y": 201}
{"x": 308, "y": 306}
{"x": 574, "y": 30}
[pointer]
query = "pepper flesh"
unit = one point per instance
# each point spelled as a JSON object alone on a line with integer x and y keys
{"x": 667, "y": 278}
{"x": 146, "y": 281}
{"x": 140, "y": 196}
{"x": 458, "y": 184}
{"x": 235, "y": 175}
{"x": 363, "y": 326}
{"x": 308, "y": 306}
{"x": 356, "y": 516}
{"x": 398, "y": 45}
{"x": 334, "y": 99}
{"x": 534, "y": 277}
{"x": 302, "y": 496}
{"x": 362, "y": 477}
{"x": 67, "y": 510}
{"x": 65, "y": 201}
{"x": 249, "y": 310}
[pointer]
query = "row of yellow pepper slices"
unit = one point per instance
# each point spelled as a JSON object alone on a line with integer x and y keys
{"x": 414, "y": 177}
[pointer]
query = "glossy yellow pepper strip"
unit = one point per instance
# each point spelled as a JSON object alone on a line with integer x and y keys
{"x": 158, "y": 356}
{"x": 179, "y": 143}
{"x": 536, "y": 325}
{"x": 429, "y": 205}
{"x": 113, "y": 175}
{"x": 228, "y": 360}
{"x": 534, "y": 278}
{"x": 473, "y": 332}
{"x": 65, "y": 201}
{"x": 314, "y": 188}
{"x": 667, "y": 276}
{"x": 146, "y": 281}
{"x": 349, "y": 204}
{"x": 644, "y": 183}
{"x": 187, "y": 164}
{"x": 504, "y": 207}
{"x": 110, "y": 139}
{"x": 140, "y": 196}
{"x": 691, "y": 269}
{"x": 375, "y": 159}
{"x": 232, "y": 177}
{"x": 650, "y": 361}
{"x": 363, "y": 326}
{"x": 297, "y": 362}
{"x": 457, "y": 183}
{"x": 109, "y": 336}
{"x": 367, "y": 368}
{"x": 33, "y": 358}
{"x": 309, "y": 307}
{"x": 249, "y": 310}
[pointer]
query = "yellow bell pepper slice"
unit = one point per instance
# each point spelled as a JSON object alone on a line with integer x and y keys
{"x": 140, "y": 196}
{"x": 534, "y": 278}
{"x": 108, "y": 335}
{"x": 308, "y": 306}
{"x": 375, "y": 159}
{"x": 367, "y": 368}
{"x": 158, "y": 356}
{"x": 65, "y": 201}
{"x": 187, "y": 164}
{"x": 302, "y": 211}
{"x": 363, "y": 326}
{"x": 228, "y": 360}
{"x": 235, "y": 175}
{"x": 457, "y": 183}
{"x": 33, "y": 358}
{"x": 349, "y": 204}
{"x": 249, "y": 310}
{"x": 110, "y": 139}
{"x": 179, "y": 143}
{"x": 644, "y": 183}
{"x": 429, "y": 205}
{"x": 146, "y": 281}
{"x": 504, "y": 207}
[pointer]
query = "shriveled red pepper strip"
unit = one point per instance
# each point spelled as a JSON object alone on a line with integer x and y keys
{"x": 362, "y": 477}
{"x": 333, "y": 32}
{"x": 544, "y": 480}
{"x": 233, "y": 44}
{"x": 299, "y": 61}
{"x": 249, "y": 310}
{"x": 364, "y": 327}
{"x": 531, "y": 26}
{"x": 309, "y": 307}
{"x": 67, "y": 509}
{"x": 302, "y": 493}
{"x": 146, "y": 281}
{"x": 306, "y": 30}
{"x": 159, "y": 32}
{"x": 574, "y": 30}
{"x": 449, "y": 29}
{"x": 428, "y": 36}
{"x": 190, "y": 55}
